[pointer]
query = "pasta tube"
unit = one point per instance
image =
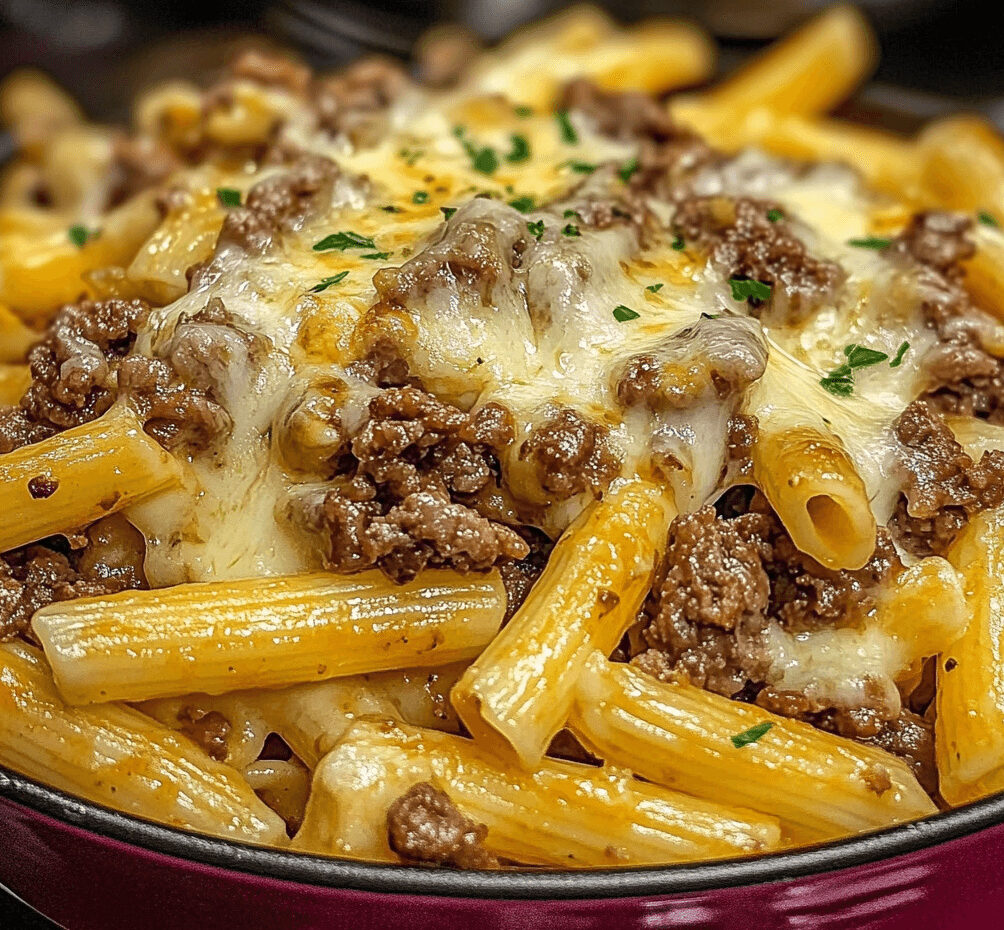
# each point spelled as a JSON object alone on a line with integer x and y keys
{"x": 14, "y": 381}
{"x": 85, "y": 473}
{"x": 116, "y": 756}
{"x": 264, "y": 632}
{"x": 820, "y": 785}
{"x": 984, "y": 278}
{"x": 517, "y": 694}
{"x": 808, "y": 73}
{"x": 15, "y": 338}
{"x": 969, "y": 728}
{"x": 563, "y": 814}
{"x": 962, "y": 165}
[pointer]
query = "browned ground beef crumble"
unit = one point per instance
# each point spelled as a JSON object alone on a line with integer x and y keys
{"x": 405, "y": 493}
{"x": 208, "y": 729}
{"x": 943, "y": 486}
{"x": 425, "y": 828}
{"x": 110, "y": 561}
{"x": 744, "y": 243}
{"x": 571, "y": 454}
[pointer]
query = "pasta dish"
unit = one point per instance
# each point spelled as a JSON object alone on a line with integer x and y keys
{"x": 531, "y": 459}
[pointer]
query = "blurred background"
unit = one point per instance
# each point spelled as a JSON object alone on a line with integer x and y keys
{"x": 937, "y": 57}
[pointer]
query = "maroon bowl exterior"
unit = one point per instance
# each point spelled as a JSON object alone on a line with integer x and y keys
{"x": 86, "y": 880}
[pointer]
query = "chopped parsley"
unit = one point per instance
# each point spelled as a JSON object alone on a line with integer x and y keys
{"x": 622, "y": 314}
{"x": 447, "y": 211}
{"x": 748, "y": 289}
{"x": 79, "y": 235}
{"x": 390, "y": 208}
{"x": 378, "y": 256}
{"x": 571, "y": 230}
{"x": 568, "y": 133}
{"x": 628, "y": 170}
{"x": 520, "y": 150}
{"x": 483, "y": 158}
{"x": 325, "y": 283}
{"x": 344, "y": 240}
{"x": 536, "y": 229}
{"x": 751, "y": 735}
{"x": 678, "y": 244}
{"x": 420, "y": 197}
{"x": 411, "y": 156}
{"x": 987, "y": 219}
{"x": 654, "y": 288}
{"x": 579, "y": 167}
{"x": 840, "y": 381}
{"x": 773, "y": 215}
{"x": 571, "y": 215}
{"x": 871, "y": 242}
{"x": 228, "y": 196}
{"x": 523, "y": 112}
{"x": 898, "y": 357}
{"x": 523, "y": 204}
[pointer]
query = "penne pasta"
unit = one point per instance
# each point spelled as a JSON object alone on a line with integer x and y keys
{"x": 808, "y": 73}
{"x": 79, "y": 476}
{"x": 563, "y": 814}
{"x": 264, "y": 632}
{"x": 517, "y": 694}
{"x": 14, "y": 381}
{"x": 820, "y": 785}
{"x": 118, "y": 757}
{"x": 984, "y": 279}
{"x": 969, "y": 727}
{"x": 962, "y": 165}
{"x": 15, "y": 338}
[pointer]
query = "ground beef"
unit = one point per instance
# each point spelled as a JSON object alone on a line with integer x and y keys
{"x": 271, "y": 69}
{"x": 138, "y": 164}
{"x": 939, "y": 241}
{"x": 571, "y": 455}
{"x": 744, "y": 243}
{"x": 355, "y": 101}
{"x": 425, "y": 828}
{"x": 208, "y": 729}
{"x": 720, "y": 582}
{"x": 520, "y": 575}
{"x": 443, "y": 54}
{"x": 742, "y": 435}
{"x": 279, "y": 202}
{"x": 943, "y": 486}
{"x": 402, "y": 499}
{"x": 40, "y": 574}
{"x": 73, "y": 370}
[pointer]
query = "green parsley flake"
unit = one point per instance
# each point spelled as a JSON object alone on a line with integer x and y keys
{"x": 447, "y": 211}
{"x": 871, "y": 242}
{"x": 390, "y": 208}
{"x": 628, "y": 170}
{"x": 622, "y": 314}
{"x": 748, "y": 289}
{"x": 678, "y": 244}
{"x": 773, "y": 215}
{"x": 571, "y": 215}
{"x": 568, "y": 133}
{"x": 752, "y": 735}
{"x": 571, "y": 230}
{"x": 654, "y": 288}
{"x": 79, "y": 235}
{"x": 523, "y": 204}
{"x": 420, "y": 197}
{"x": 900, "y": 352}
{"x": 325, "y": 283}
{"x": 411, "y": 156}
{"x": 520, "y": 149}
{"x": 344, "y": 240}
{"x": 987, "y": 219}
{"x": 228, "y": 196}
{"x": 483, "y": 159}
{"x": 523, "y": 112}
{"x": 378, "y": 256}
{"x": 579, "y": 167}
{"x": 536, "y": 229}
{"x": 840, "y": 381}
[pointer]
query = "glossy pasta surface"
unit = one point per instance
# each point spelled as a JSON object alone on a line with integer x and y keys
{"x": 561, "y": 459}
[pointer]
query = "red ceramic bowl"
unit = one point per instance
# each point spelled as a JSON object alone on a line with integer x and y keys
{"x": 89, "y": 868}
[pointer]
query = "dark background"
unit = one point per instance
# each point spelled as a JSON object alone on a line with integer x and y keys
{"x": 936, "y": 57}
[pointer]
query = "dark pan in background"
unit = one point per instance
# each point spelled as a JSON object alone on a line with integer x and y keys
{"x": 937, "y": 57}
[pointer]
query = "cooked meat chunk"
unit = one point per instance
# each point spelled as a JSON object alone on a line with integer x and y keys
{"x": 355, "y": 101}
{"x": 208, "y": 729}
{"x": 40, "y": 574}
{"x": 443, "y": 53}
{"x": 272, "y": 69}
{"x": 572, "y": 455}
{"x": 938, "y": 240}
{"x": 943, "y": 486}
{"x": 519, "y": 575}
{"x": 744, "y": 243}
{"x": 403, "y": 499}
{"x": 137, "y": 165}
{"x": 425, "y": 828}
{"x": 279, "y": 202}
{"x": 621, "y": 115}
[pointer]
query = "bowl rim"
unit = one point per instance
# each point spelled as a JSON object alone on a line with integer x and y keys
{"x": 331, "y": 872}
